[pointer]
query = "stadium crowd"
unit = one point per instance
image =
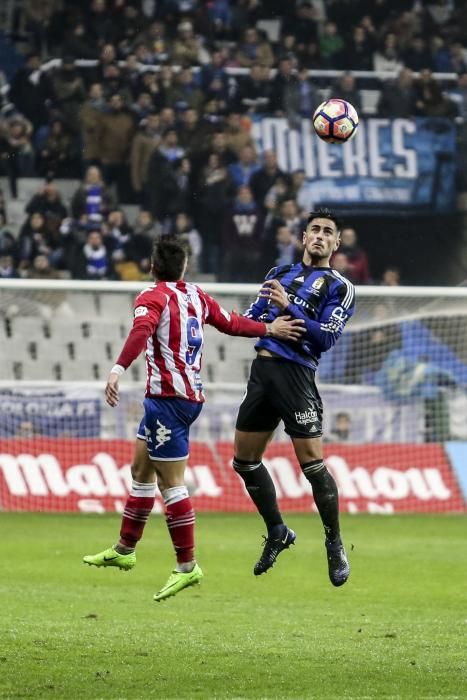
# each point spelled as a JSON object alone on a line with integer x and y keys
{"x": 156, "y": 119}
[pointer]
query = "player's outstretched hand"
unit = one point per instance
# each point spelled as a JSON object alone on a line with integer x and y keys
{"x": 286, "y": 329}
{"x": 111, "y": 390}
{"x": 274, "y": 292}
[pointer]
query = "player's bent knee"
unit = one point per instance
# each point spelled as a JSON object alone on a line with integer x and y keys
{"x": 245, "y": 465}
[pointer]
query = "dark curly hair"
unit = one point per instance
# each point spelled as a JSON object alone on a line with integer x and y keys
{"x": 324, "y": 214}
{"x": 169, "y": 255}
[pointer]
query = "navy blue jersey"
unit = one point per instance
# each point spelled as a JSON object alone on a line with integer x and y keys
{"x": 321, "y": 296}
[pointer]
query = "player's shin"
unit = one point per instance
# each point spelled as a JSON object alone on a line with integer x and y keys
{"x": 138, "y": 507}
{"x": 180, "y": 519}
{"x": 261, "y": 490}
{"x": 326, "y": 497}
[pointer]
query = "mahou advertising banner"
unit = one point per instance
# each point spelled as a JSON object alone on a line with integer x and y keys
{"x": 94, "y": 476}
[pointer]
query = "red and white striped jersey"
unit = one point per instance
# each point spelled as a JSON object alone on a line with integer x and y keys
{"x": 169, "y": 318}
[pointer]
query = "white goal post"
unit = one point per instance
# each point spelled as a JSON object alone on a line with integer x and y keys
{"x": 394, "y": 390}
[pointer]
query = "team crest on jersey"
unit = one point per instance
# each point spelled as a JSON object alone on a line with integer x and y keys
{"x": 318, "y": 283}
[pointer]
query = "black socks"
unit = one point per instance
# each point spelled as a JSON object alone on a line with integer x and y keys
{"x": 326, "y": 497}
{"x": 262, "y": 492}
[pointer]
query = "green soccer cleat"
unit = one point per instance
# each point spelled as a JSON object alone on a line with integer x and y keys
{"x": 177, "y": 582}
{"x": 110, "y": 557}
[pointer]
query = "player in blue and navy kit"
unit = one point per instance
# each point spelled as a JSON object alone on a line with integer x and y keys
{"x": 282, "y": 387}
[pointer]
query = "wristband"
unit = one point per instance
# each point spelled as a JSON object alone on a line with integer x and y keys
{"x": 268, "y": 329}
{"x": 117, "y": 369}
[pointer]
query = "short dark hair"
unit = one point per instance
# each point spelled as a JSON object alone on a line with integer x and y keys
{"x": 169, "y": 255}
{"x": 324, "y": 214}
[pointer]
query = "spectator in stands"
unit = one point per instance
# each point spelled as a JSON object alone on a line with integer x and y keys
{"x": 99, "y": 22}
{"x": 155, "y": 36}
{"x": 160, "y": 188}
{"x": 448, "y": 59}
{"x": 31, "y": 91}
{"x": 357, "y": 271}
{"x": 387, "y": 58}
{"x": 255, "y": 92}
{"x": 8, "y": 269}
{"x": 183, "y": 227}
{"x": 41, "y": 269}
{"x": 145, "y": 141}
{"x": 69, "y": 90}
{"x": 254, "y": 49}
{"x": 219, "y": 145}
{"x": 341, "y": 428}
{"x": 331, "y": 45}
{"x": 357, "y": 54}
{"x": 145, "y": 232}
{"x": 285, "y": 82}
{"x": 34, "y": 238}
{"x": 391, "y": 277}
{"x": 288, "y": 249}
{"x": 79, "y": 44}
{"x": 48, "y": 202}
{"x": 242, "y": 239}
{"x": 118, "y": 236}
{"x": 418, "y": 57}
{"x": 397, "y": 98}
{"x": 116, "y": 133}
{"x": 146, "y": 226}
{"x": 93, "y": 262}
{"x": 56, "y": 155}
{"x": 187, "y": 48}
{"x": 92, "y": 200}
{"x": 142, "y": 106}
{"x": 213, "y": 197}
{"x": 114, "y": 82}
{"x": 169, "y": 146}
{"x": 346, "y": 89}
{"x": 429, "y": 99}
{"x": 190, "y": 133}
{"x": 340, "y": 262}
{"x": 16, "y": 153}
{"x": 301, "y": 23}
{"x": 214, "y": 74}
{"x": 185, "y": 94}
{"x": 273, "y": 200}
{"x": 263, "y": 179}
{"x": 8, "y": 244}
{"x": 89, "y": 119}
{"x": 290, "y": 216}
{"x": 246, "y": 166}
{"x": 237, "y": 132}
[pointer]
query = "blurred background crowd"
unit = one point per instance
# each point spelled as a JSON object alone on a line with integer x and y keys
{"x": 149, "y": 108}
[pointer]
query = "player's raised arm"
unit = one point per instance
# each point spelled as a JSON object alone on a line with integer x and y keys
{"x": 147, "y": 310}
{"x": 332, "y": 318}
{"x": 233, "y": 324}
{"x": 260, "y": 305}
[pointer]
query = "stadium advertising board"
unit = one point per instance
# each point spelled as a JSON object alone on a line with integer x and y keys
{"x": 94, "y": 476}
{"x": 391, "y": 166}
{"x": 53, "y": 414}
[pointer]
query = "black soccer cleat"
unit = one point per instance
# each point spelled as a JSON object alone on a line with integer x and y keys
{"x": 272, "y": 548}
{"x": 338, "y": 564}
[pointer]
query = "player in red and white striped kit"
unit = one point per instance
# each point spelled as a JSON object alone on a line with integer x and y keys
{"x": 168, "y": 323}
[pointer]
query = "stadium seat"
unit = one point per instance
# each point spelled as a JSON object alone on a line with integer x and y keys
{"x": 115, "y": 307}
{"x": 83, "y": 304}
{"x": 29, "y": 327}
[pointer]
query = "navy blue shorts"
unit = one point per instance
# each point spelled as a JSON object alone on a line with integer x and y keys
{"x": 166, "y": 427}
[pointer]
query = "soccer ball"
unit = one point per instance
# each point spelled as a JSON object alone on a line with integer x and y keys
{"x": 335, "y": 121}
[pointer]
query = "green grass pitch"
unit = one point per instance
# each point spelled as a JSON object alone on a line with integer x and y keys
{"x": 397, "y": 629}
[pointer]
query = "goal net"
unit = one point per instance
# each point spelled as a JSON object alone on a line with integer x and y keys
{"x": 393, "y": 388}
